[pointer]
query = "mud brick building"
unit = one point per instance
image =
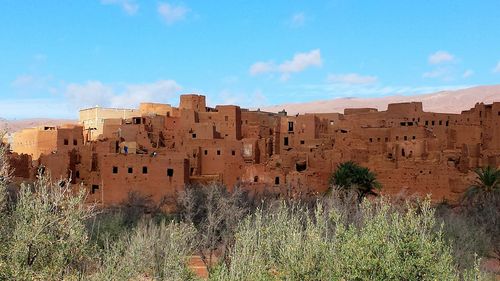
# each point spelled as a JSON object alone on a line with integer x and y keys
{"x": 157, "y": 149}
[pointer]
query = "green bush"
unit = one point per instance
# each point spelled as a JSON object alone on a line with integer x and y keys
{"x": 158, "y": 251}
{"x": 49, "y": 239}
{"x": 290, "y": 244}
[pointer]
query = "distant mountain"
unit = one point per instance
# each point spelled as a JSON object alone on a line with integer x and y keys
{"x": 444, "y": 101}
{"x": 16, "y": 125}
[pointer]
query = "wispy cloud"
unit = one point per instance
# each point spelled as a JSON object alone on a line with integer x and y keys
{"x": 440, "y": 57}
{"x": 297, "y": 20}
{"x": 298, "y": 63}
{"x": 468, "y": 73}
{"x": 351, "y": 79}
{"x": 128, "y": 6}
{"x": 94, "y": 93}
{"x": 497, "y": 68}
{"x": 444, "y": 73}
{"x": 262, "y": 67}
{"x": 172, "y": 13}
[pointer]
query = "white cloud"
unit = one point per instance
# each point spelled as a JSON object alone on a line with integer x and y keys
{"x": 297, "y": 20}
{"x": 128, "y": 6}
{"x": 351, "y": 78}
{"x": 468, "y": 73}
{"x": 29, "y": 83}
{"x": 441, "y": 57}
{"x": 497, "y": 68}
{"x": 171, "y": 13}
{"x": 262, "y": 67}
{"x": 298, "y": 63}
{"x": 95, "y": 93}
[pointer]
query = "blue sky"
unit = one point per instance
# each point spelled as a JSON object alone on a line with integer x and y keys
{"x": 58, "y": 56}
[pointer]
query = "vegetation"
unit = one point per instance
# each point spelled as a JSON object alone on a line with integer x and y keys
{"x": 486, "y": 183}
{"x": 351, "y": 176}
{"x": 49, "y": 233}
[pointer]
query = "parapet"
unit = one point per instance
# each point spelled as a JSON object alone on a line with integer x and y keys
{"x": 405, "y": 107}
{"x": 350, "y": 111}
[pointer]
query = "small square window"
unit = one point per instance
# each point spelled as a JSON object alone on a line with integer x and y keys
{"x": 218, "y": 152}
{"x": 115, "y": 170}
{"x": 413, "y": 137}
{"x": 170, "y": 172}
{"x": 66, "y": 142}
{"x": 94, "y": 188}
{"x": 130, "y": 170}
{"x": 302, "y": 142}
{"x": 194, "y": 136}
{"x": 144, "y": 170}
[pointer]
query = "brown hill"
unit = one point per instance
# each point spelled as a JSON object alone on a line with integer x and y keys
{"x": 16, "y": 125}
{"x": 444, "y": 101}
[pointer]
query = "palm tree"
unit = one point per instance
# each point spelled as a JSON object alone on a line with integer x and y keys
{"x": 487, "y": 181}
{"x": 351, "y": 176}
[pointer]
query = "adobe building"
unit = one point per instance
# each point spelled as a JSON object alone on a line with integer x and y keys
{"x": 157, "y": 149}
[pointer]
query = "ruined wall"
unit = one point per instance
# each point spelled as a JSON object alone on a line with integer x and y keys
{"x": 157, "y": 149}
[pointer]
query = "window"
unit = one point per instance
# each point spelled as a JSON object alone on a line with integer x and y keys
{"x": 447, "y": 123}
{"x": 413, "y": 137}
{"x": 170, "y": 172}
{"x": 290, "y": 126}
{"x": 115, "y": 170}
{"x": 432, "y": 122}
{"x": 403, "y": 152}
{"x": 233, "y": 152}
{"x": 75, "y": 142}
{"x": 378, "y": 139}
{"x": 256, "y": 179}
{"x": 331, "y": 121}
{"x": 277, "y": 180}
{"x": 440, "y": 122}
{"x": 94, "y": 188}
{"x": 130, "y": 170}
{"x": 371, "y": 140}
{"x": 302, "y": 141}
{"x": 403, "y": 123}
{"x": 285, "y": 141}
{"x": 144, "y": 170}
{"x": 397, "y": 138}
{"x": 218, "y": 152}
{"x": 66, "y": 142}
{"x": 426, "y": 122}
{"x": 194, "y": 136}
{"x": 206, "y": 152}
{"x": 386, "y": 139}
{"x": 405, "y": 137}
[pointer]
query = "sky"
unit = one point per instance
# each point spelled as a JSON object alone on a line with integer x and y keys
{"x": 59, "y": 56}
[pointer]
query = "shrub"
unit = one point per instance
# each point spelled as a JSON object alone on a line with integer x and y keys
{"x": 289, "y": 244}
{"x": 49, "y": 239}
{"x": 158, "y": 251}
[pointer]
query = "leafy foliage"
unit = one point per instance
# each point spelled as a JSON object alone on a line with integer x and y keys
{"x": 487, "y": 182}
{"x": 289, "y": 244}
{"x": 350, "y": 175}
